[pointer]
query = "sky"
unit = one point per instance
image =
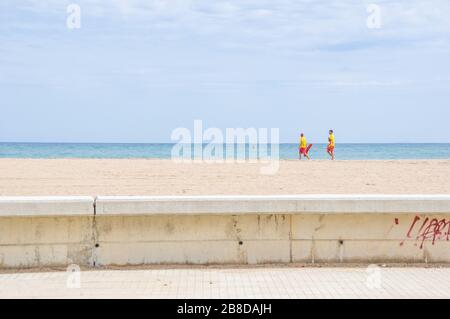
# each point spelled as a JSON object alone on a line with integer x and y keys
{"x": 136, "y": 70}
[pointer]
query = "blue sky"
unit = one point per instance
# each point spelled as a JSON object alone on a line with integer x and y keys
{"x": 136, "y": 70}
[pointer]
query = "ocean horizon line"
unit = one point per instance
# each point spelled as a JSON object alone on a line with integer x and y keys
{"x": 206, "y": 143}
{"x": 344, "y": 151}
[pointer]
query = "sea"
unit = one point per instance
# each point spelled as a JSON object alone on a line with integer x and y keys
{"x": 286, "y": 151}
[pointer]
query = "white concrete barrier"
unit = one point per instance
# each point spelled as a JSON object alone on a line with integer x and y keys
{"x": 268, "y": 229}
{"x": 55, "y": 231}
{"x": 46, "y": 206}
{"x": 287, "y": 204}
{"x": 46, "y": 231}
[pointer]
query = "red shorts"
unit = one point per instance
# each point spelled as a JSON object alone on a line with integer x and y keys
{"x": 303, "y": 151}
{"x": 330, "y": 148}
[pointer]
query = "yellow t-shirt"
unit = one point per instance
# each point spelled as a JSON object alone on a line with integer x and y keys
{"x": 331, "y": 137}
{"x": 303, "y": 142}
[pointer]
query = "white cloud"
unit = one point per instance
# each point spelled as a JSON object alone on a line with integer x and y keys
{"x": 308, "y": 30}
{"x": 301, "y": 24}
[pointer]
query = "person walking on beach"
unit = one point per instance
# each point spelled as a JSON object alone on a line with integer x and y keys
{"x": 303, "y": 149}
{"x": 330, "y": 148}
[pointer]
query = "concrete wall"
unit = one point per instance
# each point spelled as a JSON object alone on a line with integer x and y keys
{"x": 230, "y": 229}
{"x": 41, "y": 231}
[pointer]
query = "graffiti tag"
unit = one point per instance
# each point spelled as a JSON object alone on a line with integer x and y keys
{"x": 432, "y": 229}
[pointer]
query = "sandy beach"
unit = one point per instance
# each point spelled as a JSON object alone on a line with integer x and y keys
{"x": 22, "y": 177}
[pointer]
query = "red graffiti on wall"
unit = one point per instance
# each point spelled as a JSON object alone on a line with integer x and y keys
{"x": 428, "y": 229}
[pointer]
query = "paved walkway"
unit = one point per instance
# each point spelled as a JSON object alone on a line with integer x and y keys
{"x": 231, "y": 283}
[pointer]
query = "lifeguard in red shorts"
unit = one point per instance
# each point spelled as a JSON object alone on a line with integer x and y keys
{"x": 330, "y": 147}
{"x": 304, "y": 148}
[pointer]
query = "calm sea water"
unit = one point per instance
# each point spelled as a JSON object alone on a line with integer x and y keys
{"x": 163, "y": 151}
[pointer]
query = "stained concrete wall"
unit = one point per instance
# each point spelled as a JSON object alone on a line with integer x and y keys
{"x": 270, "y": 229}
{"x": 46, "y": 231}
{"x": 219, "y": 230}
{"x": 370, "y": 238}
{"x": 194, "y": 239}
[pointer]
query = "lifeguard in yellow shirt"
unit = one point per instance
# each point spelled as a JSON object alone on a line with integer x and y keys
{"x": 330, "y": 148}
{"x": 304, "y": 148}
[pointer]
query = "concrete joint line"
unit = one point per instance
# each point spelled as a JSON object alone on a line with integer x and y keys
{"x": 94, "y": 259}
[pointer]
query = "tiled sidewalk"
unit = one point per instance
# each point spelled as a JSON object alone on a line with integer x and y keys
{"x": 283, "y": 282}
